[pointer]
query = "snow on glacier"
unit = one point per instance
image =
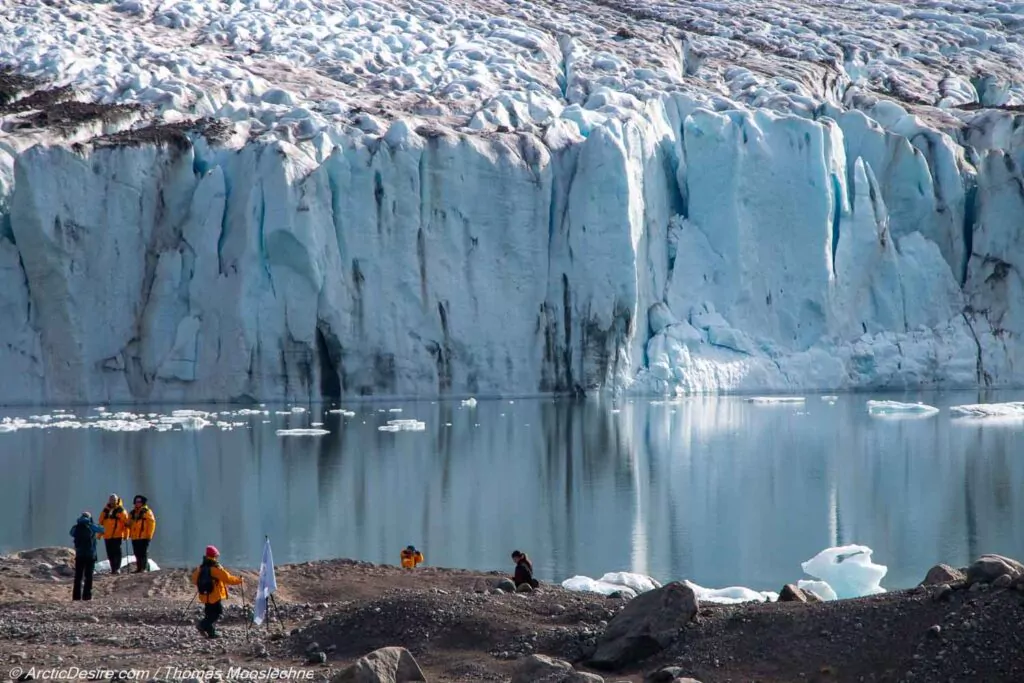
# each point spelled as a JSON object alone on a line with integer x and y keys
{"x": 425, "y": 199}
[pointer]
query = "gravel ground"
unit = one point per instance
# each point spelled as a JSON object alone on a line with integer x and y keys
{"x": 461, "y": 629}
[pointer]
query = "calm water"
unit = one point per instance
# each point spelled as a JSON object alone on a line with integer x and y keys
{"x": 717, "y": 490}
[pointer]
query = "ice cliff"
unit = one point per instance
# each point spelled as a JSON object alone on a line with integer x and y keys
{"x": 300, "y": 199}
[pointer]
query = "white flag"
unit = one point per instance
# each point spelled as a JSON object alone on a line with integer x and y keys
{"x": 267, "y": 584}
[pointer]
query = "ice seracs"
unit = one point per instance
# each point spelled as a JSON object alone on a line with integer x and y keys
{"x": 284, "y": 198}
{"x": 848, "y": 571}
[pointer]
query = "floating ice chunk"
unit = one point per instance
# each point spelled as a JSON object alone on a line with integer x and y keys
{"x": 470, "y": 402}
{"x": 121, "y": 425}
{"x": 298, "y": 409}
{"x": 101, "y": 409}
{"x": 403, "y": 426}
{"x": 342, "y": 412}
{"x": 830, "y": 399}
{"x": 819, "y": 588}
{"x": 190, "y": 413}
{"x": 848, "y": 569}
{"x": 773, "y": 400}
{"x": 249, "y": 411}
{"x": 1003, "y": 410}
{"x": 103, "y": 566}
{"x": 638, "y": 583}
{"x": 585, "y": 584}
{"x": 731, "y": 595}
{"x": 897, "y": 409}
{"x": 316, "y": 424}
{"x": 302, "y": 432}
{"x": 394, "y": 410}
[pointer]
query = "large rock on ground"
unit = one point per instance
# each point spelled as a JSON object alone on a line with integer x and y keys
{"x": 792, "y": 593}
{"x": 988, "y": 568}
{"x": 647, "y": 625}
{"x": 942, "y": 574}
{"x": 541, "y": 669}
{"x": 386, "y": 665}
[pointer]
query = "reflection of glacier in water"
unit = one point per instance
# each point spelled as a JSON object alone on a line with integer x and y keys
{"x": 715, "y": 490}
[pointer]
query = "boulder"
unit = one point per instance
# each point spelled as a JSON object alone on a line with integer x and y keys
{"x": 792, "y": 593}
{"x": 524, "y": 588}
{"x": 386, "y": 665}
{"x": 942, "y": 574}
{"x": 506, "y": 585}
{"x": 645, "y": 626}
{"x": 988, "y": 568}
{"x": 666, "y": 675}
{"x": 541, "y": 669}
{"x": 1003, "y": 581}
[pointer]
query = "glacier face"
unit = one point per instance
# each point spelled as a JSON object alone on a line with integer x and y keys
{"x": 428, "y": 202}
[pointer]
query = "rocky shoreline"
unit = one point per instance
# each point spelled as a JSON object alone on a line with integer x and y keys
{"x": 455, "y": 625}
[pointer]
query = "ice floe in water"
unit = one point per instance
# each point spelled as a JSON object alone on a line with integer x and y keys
{"x": 774, "y": 400}
{"x": 403, "y": 426}
{"x": 469, "y": 402}
{"x": 1014, "y": 410}
{"x": 898, "y": 409}
{"x": 342, "y": 412}
{"x": 848, "y": 570}
{"x": 127, "y": 421}
{"x": 302, "y": 432}
{"x": 841, "y": 572}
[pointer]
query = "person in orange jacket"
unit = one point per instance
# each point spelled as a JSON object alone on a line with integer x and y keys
{"x": 411, "y": 557}
{"x": 212, "y": 581}
{"x": 114, "y": 521}
{"x": 141, "y": 527}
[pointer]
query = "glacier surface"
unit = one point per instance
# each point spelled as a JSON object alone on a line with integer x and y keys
{"x": 299, "y": 199}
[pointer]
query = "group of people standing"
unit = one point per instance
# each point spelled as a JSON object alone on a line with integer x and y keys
{"x": 116, "y": 525}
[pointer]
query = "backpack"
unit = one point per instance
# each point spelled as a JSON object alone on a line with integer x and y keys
{"x": 83, "y": 537}
{"x": 204, "y": 584}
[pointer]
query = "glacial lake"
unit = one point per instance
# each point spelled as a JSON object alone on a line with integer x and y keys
{"x": 718, "y": 490}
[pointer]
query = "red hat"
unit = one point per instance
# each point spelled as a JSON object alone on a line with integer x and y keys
{"x": 211, "y": 551}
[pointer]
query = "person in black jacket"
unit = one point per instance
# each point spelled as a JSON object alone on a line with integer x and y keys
{"x": 84, "y": 534}
{"x": 524, "y": 570}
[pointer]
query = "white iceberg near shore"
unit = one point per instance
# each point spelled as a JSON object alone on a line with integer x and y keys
{"x": 898, "y": 409}
{"x": 847, "y": 570}
{"x": 127, "y": 565}
{"x": 732, "y": 595}
{"x": 403, "y": 426}
{"x": 302, "y": 432}
{"x": 840, "y": 572}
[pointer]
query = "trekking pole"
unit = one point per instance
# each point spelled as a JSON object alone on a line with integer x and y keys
{"x": 184, "y": 612}
{"x": 245, "y": 610}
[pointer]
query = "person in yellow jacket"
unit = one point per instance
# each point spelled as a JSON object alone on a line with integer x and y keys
{"x": 114, "y": 521}
{"x": 411, "y": 557}
{"x": 212, "y": 581}
{"x": 141, "y": 527}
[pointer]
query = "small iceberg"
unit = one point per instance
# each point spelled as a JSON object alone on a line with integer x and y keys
{"x": 127, "y": 563}
{"x": 342, "y": 412}
{"x": 403, "y": 426}
{"x": 731, "y": 595}
{"x": 848, "y": 571}
{"x": 626, "y": 584}
{"x": 469, "y": 403}
{"x": 897, "y": 409}
{"x": 302, "y": 432}
{"x": 774, "y": 400}
{"x": 829, "y": 399}
{"x": 819, "y": 588}
{"x": 1013, "y": 410}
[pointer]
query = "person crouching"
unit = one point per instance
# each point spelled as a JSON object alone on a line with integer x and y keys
{"x": 211, "y": 582}
{"x": 411, "y": 557}
{"x": 524, "y": 570}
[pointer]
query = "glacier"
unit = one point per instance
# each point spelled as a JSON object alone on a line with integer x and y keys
{"x": 309, "y": 199}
